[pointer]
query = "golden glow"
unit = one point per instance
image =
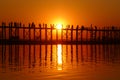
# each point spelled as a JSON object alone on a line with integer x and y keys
{"x": 59, "y": 23}
{"x": 59, "y": 26}
{"x": 59, "y": 57}
{"x": 59, "y": 54}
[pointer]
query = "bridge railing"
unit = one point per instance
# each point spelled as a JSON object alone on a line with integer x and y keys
{"x": 43, "y": 33}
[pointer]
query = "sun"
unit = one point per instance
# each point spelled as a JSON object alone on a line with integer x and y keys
{"x": 59, "y": 26}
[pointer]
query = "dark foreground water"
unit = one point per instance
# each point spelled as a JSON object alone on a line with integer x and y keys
{"x": 60, "y": 62}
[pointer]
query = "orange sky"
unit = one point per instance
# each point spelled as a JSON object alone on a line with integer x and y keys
{"x": 82, "y": 12}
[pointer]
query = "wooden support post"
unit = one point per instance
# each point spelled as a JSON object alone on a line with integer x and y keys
{"x": 34, "y": 31}
{"x": 91, "y": 33}
{"x": 66, "y": 34}
{"x": 2, "y": 43}
{"x": 30, "y": 44}
{"x": 95, "y": 33}
{"x": 51, "y": 31}
{"x": 15, "y": 25}
{"x": 77, "y": 34}
{"x": 4, "y": 30}
{"x": 106, "y": 37}
{"x": 119, "y": 34}
{"x": 113, "y": 28}
{"x": 34, "y": 52}
{"x": 23, "y": 32}
{"x": 56, "y": 34}
{"x": 20, "y": 25}
{"x": 103, "y": 34}
{"x": 114, "y": 34}
{"x": 87, "y": 35}
{"x": 34, "y": 41}
{"x": 107, "y": 34}
{"x": 30, "y": 32}
{"x": 18, "y": 31}
{"x": 45, "y": 40}
{"x": 40, "y": 31}
{"x": 45, "y": 32}
{"x": 10, "y": 30}
{"x": 99, "y": 35}
{"x": 72, "y": 33}
{"x": 82, "y": 28}
{"x": 110, "y": 35}
{"x": 2, "y": 33}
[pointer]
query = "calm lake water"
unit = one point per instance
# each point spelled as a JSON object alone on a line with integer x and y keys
{"x": 57, "y": 62}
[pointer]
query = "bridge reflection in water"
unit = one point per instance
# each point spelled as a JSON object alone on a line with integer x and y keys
{"x": 59, "y": 57}
{"x": 56, "y": 57}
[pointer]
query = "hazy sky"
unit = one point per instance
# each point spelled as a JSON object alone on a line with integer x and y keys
{"x": 82, "y": 12}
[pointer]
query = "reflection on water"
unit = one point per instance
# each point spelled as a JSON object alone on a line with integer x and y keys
{"x": 59, "y": 57}
{"x": 91, "y": 62}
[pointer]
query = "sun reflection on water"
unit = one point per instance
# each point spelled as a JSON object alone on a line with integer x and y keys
{"x": 59, "y": 57}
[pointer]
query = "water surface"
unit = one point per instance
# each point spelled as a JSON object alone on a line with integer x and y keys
{"x": 51, "y": 62}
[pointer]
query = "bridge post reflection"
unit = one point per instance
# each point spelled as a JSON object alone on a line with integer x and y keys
{"x": 71, "y": 53}
{"x": 77, "y": 53}
{"x": 29, "y": 56}
{"x": 51, "y": 54}
{"x": 21, "y": 57}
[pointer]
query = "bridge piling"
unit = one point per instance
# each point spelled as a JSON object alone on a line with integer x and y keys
{"x": 74, "y": 35}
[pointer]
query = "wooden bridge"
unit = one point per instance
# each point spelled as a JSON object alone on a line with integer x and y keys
{"x": 17, "y": 33}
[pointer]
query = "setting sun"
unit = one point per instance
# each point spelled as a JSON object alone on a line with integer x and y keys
{"x": 59, "y": 26}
